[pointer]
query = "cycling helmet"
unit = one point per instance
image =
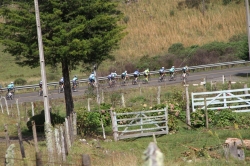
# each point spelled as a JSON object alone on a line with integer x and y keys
{"x": 75, "y": 75}
{"x": 162, "y": 67}
{"x": 172, "y": 66}
{"x": 126, "y": 71}
{"x": 11, "y": 82}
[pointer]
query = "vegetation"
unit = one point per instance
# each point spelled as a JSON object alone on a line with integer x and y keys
{"x": 74, "y": 33}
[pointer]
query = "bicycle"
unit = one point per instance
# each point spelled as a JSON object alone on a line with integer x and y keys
{"x": 74, "y": 86}
{"x": 40, "y": 92}
{"x": 172, "y": 77}
{"x": 124, "y": 81}
{"x": 135, "y": 81}
{"x": 112, "y": 83}
{"x": 10, "y": 95}
{"x": 181, "y": 76}
{"x": 60, "y": 88}
{"x": 146, "y": 80}
{"x": 162, "y": 78}
{"x": 184, "y": 78}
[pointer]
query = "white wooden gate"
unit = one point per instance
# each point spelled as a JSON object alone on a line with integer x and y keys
{"x": 139, "y": 124}
{"x": 237, "y": 100}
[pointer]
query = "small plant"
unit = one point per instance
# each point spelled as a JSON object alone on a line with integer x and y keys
{"x": 171, "y": 13}
{"x": 20, "y": 81}
{"x": 126, "y": 19}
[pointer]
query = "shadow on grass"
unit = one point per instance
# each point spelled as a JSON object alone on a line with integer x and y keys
{"x": 242, "y": 74}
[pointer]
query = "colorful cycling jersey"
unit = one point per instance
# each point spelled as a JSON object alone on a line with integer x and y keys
{"x": 74, "y": 79}
{"x": 124, "y": 73}
{"x": 136, "y": 72}
{"x": 172, "y": 69}
{"x": 11, "y": 86}
{"x": 113, "y": 75}
{"x": 146, "y": 71}
{"x": 161, "y": 70}
{"x": 62, "y": 80}
{"x": 92, "y": 76}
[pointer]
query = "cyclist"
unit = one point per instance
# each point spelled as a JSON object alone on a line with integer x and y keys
{"x": 111, "y": 77}
{"x": 41, "y": 85}
{"x": 92, "y": 78}
{"x": 162, "y": 72}
{"x": 61, "y": 82}
{"x": 146, "y": 74}
{"x": 136, "y": 74}
{"x": 124, "y": 75}
{"x": 185, "y": 69}
{"x": 171, "y": 71}
{"x": 11, "y": 87}
{"x": 74, "y": 82}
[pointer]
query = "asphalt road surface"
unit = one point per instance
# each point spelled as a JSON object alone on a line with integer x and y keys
{"x": 235, "y": 74}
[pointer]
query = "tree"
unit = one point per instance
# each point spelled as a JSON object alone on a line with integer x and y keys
{"x": 73, "y": 31}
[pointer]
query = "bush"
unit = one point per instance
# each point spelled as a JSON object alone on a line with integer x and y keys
{"x": 40, "y": 119}
{"x": 176, "y": 48}
{"x": 20, "y": 81}
{"x": 89, "y": 122}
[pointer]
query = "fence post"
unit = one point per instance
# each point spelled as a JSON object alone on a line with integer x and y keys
{"x": 89, "y": 104}
{"x": 66, "y": 125}
{"x": 159, "y": 95}
{"x": 6, "y": 104}
{"x": 1, "y": 105}
{"x": 102, "y": 96}
{"x": 187, "y": 108}
{"x": 166, "y": 118}
{"x": 86, "y": 160}
{"x": 38, "y": 154}
{"x": 62, "y": 143}
{"x": 32, "y": 108}
{"x": 7, "y": 135}
{"x": 205, "y": 104}
{"x": 20, "y": 140}
{"x": 114, "y": 124}
{"x": 123, "y": 100}
{"x": 223, "y": 79}
{"x": 75, "y": 124}
{"x": 57, "y": 142}
{"x": 18, "y": 111}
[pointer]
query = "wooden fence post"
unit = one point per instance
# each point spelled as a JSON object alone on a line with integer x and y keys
{"x": 6, "y": 105}
{"x": 205, "y": 104}
{"x": 75, "y": 124}
{"x": 57, "y": 142}
{"x": 7, "y": 135}
{"x": 159, "y": 95}
{"x": 166, "y": 118}
{"x": 32, "y": 108}
{"x": 114, "y": 124}
{"x": 187, "y": 108}
{"x": 102, "y": 96}
{"x": 20, "y": 140}
{"x": 89, "y": 104}
{"x": 62, "y": 143}
{"x": 67, "y": 137}
{"x": 1, "y": 106}
{"x": 18, "y": 111}
{"x": 86, "y": 160}
{"x": 123, "y": 100}
{"x": 38, "y": 154}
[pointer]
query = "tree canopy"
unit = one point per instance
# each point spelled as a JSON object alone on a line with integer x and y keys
{"x": 73, "y": 32}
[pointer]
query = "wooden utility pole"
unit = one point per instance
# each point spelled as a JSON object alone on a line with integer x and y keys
{"x": 187, "y": 108}
{"x": 248, "y": 26}
{"x": 47, "y": 127}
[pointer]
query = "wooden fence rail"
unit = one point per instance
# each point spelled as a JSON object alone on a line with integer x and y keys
{"x": 139, "y": 124}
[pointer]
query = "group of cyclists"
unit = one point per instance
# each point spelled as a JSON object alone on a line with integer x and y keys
{"x": 112, "y": 76}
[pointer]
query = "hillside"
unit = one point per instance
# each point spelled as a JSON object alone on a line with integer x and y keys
{"x": 154, "y": 25}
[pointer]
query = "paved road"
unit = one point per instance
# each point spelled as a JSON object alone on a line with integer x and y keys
{"x": 194, "y": 77}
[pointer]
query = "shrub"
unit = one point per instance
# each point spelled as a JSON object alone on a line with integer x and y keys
{"x": 20, "y": 81}
{"x": 89, "y": 122}
{"x": 176, "y": 48}
{"x": 126, "y": 19}
{"x": 40, "y": 119}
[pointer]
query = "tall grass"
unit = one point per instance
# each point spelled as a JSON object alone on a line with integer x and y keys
{"x": 154, "y": 25}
